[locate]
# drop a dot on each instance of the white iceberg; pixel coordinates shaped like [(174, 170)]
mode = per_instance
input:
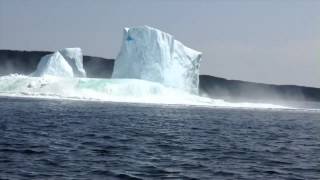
[(66, 62), (74, 57), (53, 65), (150, 54)]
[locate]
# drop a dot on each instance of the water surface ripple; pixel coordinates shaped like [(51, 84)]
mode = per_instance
[(43, 139)]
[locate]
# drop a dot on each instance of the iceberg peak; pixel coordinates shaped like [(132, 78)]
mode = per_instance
[(53, 65), (74, 57), (66, 62), (150, 54)]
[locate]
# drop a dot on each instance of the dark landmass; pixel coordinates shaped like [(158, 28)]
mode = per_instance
[(25, 62), (234, 90)]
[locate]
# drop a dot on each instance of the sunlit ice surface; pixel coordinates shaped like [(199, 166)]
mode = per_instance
[(114, 90)]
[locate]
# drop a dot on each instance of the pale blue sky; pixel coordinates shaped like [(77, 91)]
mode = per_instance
[(267, 41)]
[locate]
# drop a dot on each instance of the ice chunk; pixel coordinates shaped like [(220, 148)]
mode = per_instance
[(53, 65), (75, 60), (150, 54), (66, 62)]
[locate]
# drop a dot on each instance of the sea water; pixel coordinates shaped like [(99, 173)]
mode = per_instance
[(66, 139)]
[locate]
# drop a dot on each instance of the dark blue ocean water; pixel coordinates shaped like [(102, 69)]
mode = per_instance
[(51, 139)]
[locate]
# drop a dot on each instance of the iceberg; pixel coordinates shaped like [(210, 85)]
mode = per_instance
[(152, 67), (53, 65), (150, 54), (67, 62), (74, 57)]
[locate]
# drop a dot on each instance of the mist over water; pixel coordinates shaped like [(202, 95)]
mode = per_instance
[(115, 90)]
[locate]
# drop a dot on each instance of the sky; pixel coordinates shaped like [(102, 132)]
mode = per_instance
[(268, 41)]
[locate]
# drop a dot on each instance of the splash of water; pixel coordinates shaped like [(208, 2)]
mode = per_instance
[(114, 90)]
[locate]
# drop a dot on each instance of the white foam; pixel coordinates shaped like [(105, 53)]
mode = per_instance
[(114, 90)]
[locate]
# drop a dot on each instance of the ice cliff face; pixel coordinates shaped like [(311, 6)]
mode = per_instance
[(66, 62), (150, 54), (53, 65), (75, 60)]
